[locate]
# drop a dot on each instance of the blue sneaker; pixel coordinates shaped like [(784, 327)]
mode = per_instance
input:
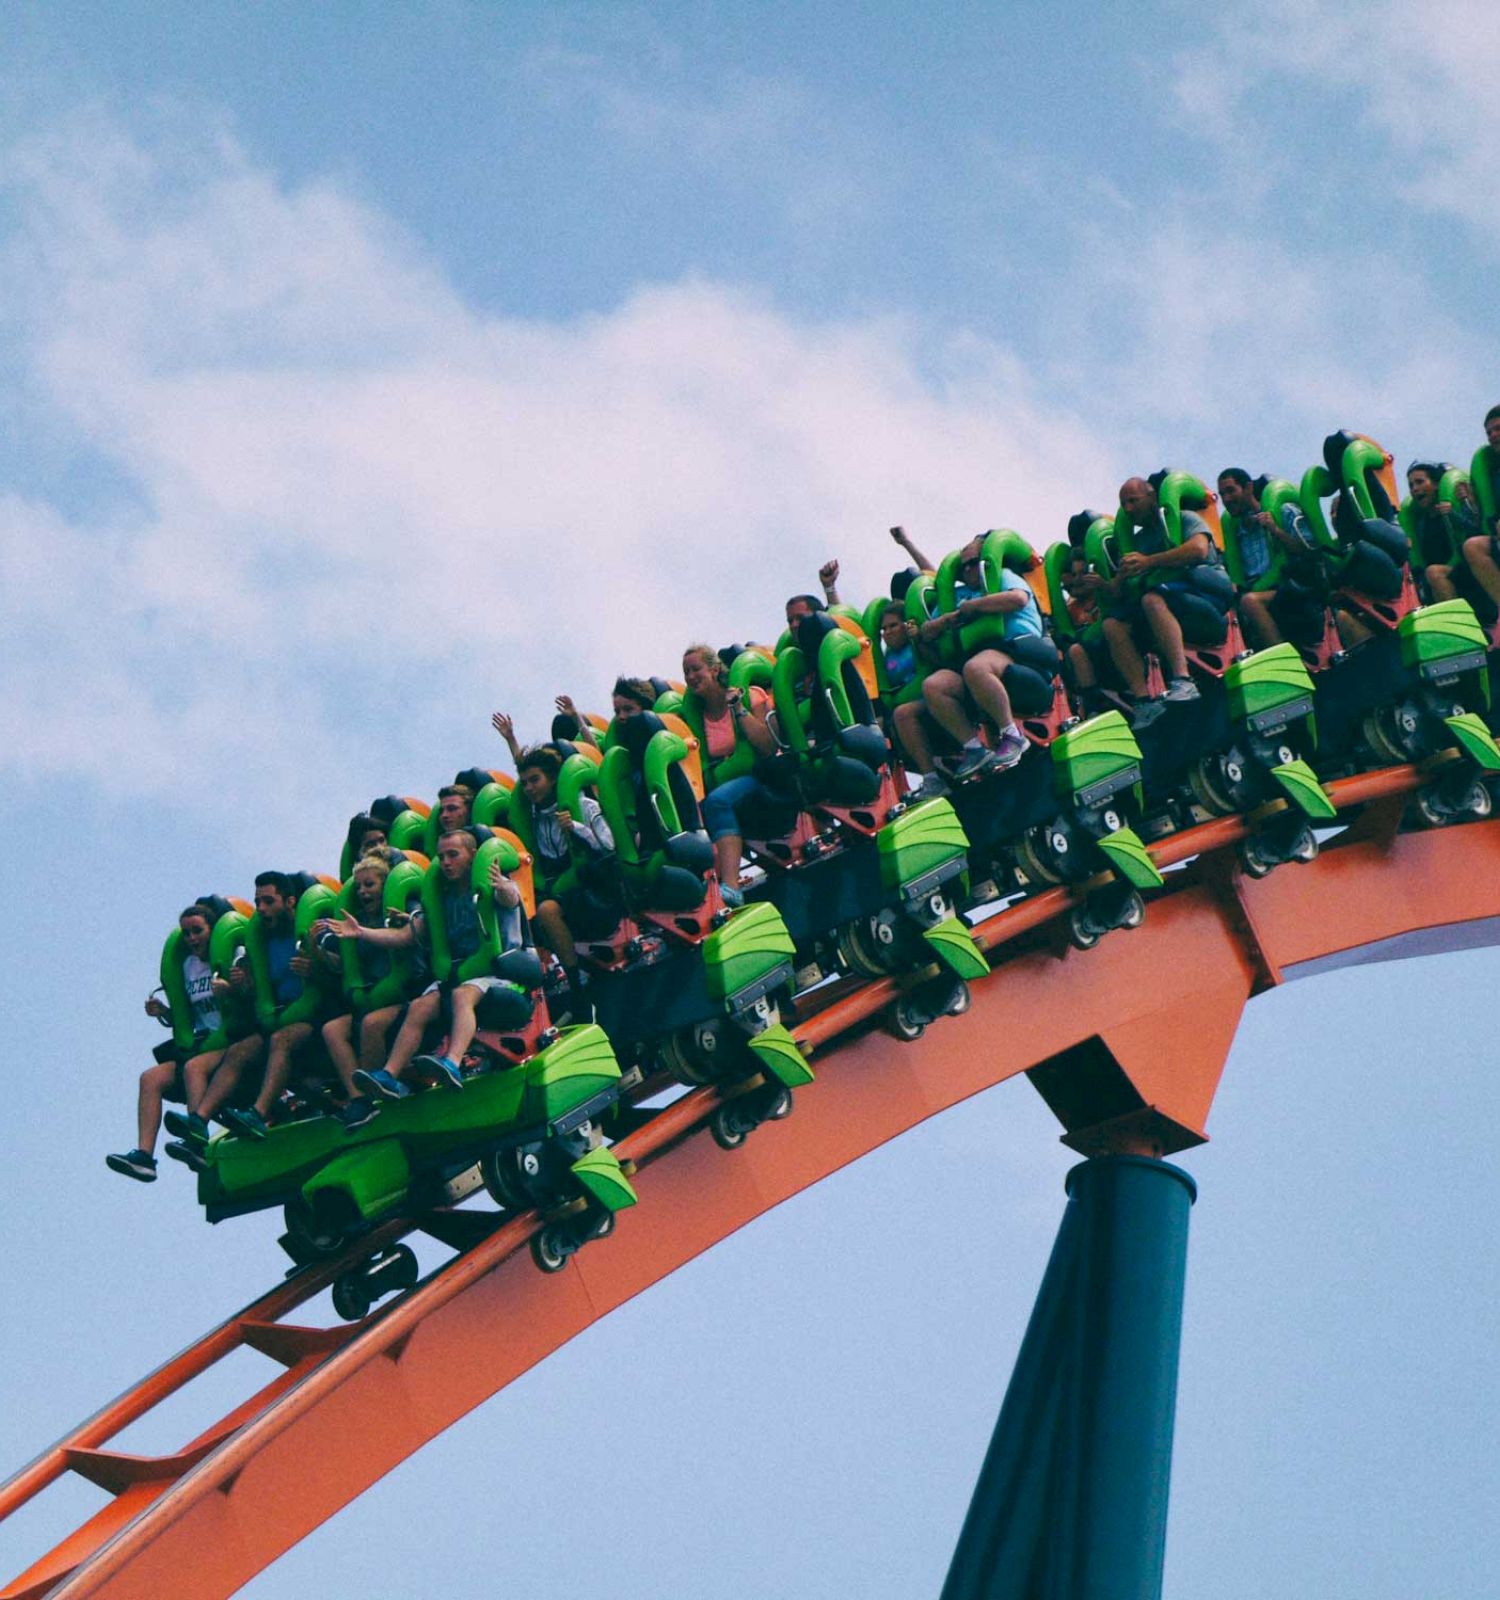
[(356, 1113), (381, 1083), (133, 1164), (444, 1068), (247, 1120), (184, 1125), (190, 1155), (733, 898)]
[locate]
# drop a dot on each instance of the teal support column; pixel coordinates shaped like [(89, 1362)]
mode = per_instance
[(1071, 1503)]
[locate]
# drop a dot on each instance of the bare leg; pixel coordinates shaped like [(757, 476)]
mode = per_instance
[(195, 1077), (155, 1081), (1081, 665), (465, 1023), (1123, 653), (983, 674), (1477, 552), (226, 1077), (1256, 619), (727, 854), (374, 1031), (284, 1044), (338, 1041), (419, 1015), (944, 693), (1167, 632), (912, 736), (1351, 630), (553, 932), (1440, 582)]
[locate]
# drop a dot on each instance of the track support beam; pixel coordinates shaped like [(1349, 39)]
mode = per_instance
[(1071, 1503)]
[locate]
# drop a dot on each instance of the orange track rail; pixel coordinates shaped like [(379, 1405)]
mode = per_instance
[(353, 1402)]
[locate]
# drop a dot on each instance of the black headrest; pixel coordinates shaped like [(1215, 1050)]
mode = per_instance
[(474, 777), (1078, 526), (1258, 485), (660, 685), (564, 728), (1157, 478), (480, 832), (1334, 447), (633, 734), (563, 745), (215, 903), (301, 882), (730, 653), (387, 808), (810, 631), (902, 581)]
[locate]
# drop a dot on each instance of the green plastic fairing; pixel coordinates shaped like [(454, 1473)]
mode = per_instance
[(1445, 631), (1266, 681), (1092, 752), (746, 950), (579, 1064), (777, 1052), (954, 942), (603, 1179), (918, 841), (1300, 784), (374, 1177), (1475, 740), (1129, 857)]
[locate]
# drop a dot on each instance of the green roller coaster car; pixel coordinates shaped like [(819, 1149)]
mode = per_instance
[(921, 850), (1097, 777), (333, 1183), (746, 963)]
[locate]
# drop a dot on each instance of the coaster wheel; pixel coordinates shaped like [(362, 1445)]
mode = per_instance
[(904, 1021), (551, 1246), (509, 1175), (1082, 934), (1206, 778), (350, 1300), (315, 1233), (728, 1130)]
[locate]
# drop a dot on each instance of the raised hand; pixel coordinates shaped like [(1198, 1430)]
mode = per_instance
[(503, 726)]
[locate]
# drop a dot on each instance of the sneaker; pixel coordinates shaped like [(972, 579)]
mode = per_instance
[(133, 1164), (188, 1154), (932, 787), (1145, 712), (444, 1068), (185, 1125), (247, 1120), (732, 897), (1180, 689), (975, 760), (1010, 747), (356, 1113), (381, 1083)]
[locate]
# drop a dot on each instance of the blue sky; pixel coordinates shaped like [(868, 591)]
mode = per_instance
[(366, 371)]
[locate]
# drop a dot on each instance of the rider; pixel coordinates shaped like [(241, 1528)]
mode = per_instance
[(1165, 569), (731, 723), (460, 912), (353, 1042), (165, 1080), (289, 968), (948, 694), (1439, 527), (563, 840)]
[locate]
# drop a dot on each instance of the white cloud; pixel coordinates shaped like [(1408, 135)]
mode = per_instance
[(1418, 74), (333, 481)]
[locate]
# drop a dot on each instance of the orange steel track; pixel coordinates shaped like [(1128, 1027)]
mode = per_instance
[(1125, 1065)]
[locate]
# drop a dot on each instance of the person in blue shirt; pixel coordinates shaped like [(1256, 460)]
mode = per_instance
[(948, 694), (464, 935), (288, 969)]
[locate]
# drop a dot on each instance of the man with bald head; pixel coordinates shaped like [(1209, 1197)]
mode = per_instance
[(1150, 587)]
